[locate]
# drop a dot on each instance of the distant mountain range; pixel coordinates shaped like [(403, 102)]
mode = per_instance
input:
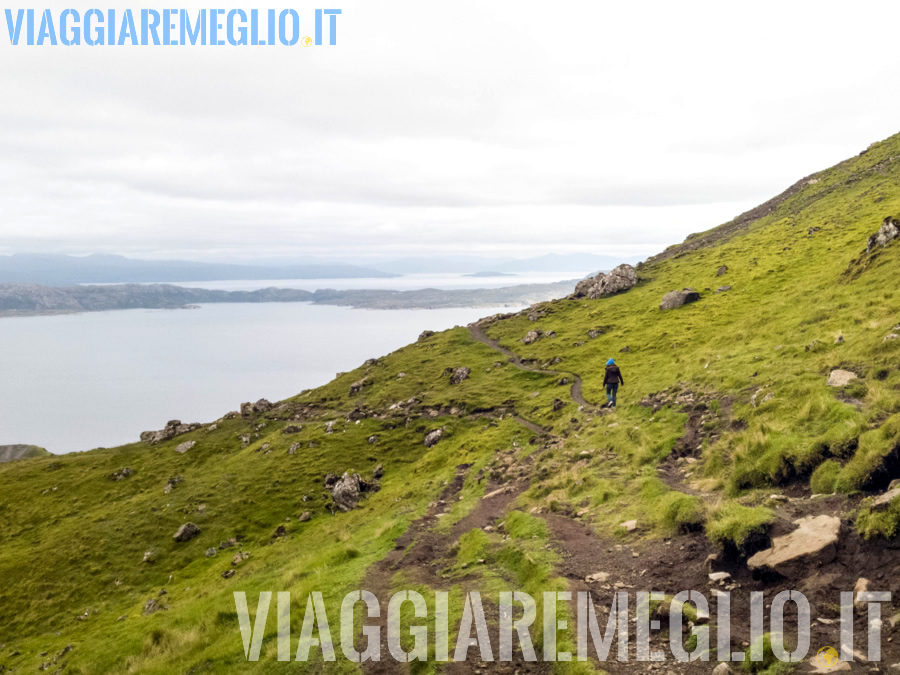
[(65, 270)]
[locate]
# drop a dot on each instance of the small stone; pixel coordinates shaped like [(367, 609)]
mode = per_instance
[(186, 532), (305, 517), (629, 525)]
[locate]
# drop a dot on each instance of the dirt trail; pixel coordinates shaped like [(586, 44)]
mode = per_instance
[(478, 334), (423, 553)]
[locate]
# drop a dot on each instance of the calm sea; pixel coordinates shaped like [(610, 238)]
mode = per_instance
[(79, 381)]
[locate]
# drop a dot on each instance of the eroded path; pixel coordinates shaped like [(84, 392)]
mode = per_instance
[(575, 391)]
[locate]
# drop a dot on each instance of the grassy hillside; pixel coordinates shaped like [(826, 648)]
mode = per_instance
[(724, 430)]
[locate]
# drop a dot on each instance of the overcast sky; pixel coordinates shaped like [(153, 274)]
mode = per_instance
[(496, 127)]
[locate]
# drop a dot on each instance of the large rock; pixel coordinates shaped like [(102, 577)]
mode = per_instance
[(433, 437), (346, 492), (813, 543), (186, 532), (674, 299), (841, 378), (618, 280), (889, 230)]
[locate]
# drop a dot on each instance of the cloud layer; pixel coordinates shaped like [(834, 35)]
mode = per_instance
[(443, 127)]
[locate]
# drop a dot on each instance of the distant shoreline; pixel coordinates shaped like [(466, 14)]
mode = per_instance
[(28, 300)]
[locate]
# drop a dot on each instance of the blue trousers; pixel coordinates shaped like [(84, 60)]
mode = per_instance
[(611, 390)]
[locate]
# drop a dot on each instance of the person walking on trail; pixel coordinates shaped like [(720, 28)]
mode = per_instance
[(612, 380)]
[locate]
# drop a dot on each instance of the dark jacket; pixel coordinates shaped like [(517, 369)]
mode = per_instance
[(613, 375)]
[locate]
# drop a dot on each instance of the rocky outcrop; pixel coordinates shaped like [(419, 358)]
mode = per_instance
[(840, 378), (618, 280), (172, 429), (261, 406), (10, 453), (186, 532), (674, 299), (813, 543), (425, 334), (889, 230)]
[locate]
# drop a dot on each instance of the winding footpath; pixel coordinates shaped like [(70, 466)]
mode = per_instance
[(478, 334)]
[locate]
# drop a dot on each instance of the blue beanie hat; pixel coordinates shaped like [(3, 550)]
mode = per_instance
[(610, 362)]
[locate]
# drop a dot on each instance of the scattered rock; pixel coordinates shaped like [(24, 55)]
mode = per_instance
[(227, 574), (625, 350), (840, 378), (597, 332), (890, 336), (346, 492), (425, 334), (280, 531), (531, 336), (330, 480), (597, 578), (889, 230), (292, 429), (433, 437), (357, 386), (212, 552), (186, 532), (172, 484), (122, 474), (184, 447), (372, 440), (839, 340), (882, 501), (305, 517), (629, 525), (723, 289), (722, 271), (861, 586), (153, 605), (293, 449), (814, 542), (719, 577), (620, 279), (722, 669), (459, 374), (329, 427), (674, 299), (150, 557), (378, 472), (558, 404)]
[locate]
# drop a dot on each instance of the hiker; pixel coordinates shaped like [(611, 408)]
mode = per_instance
[(612, 379)]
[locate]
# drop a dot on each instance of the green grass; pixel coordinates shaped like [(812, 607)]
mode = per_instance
[(737, 528), (74, 540)]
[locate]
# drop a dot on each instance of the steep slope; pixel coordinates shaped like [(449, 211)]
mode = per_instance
[(725, 427)]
